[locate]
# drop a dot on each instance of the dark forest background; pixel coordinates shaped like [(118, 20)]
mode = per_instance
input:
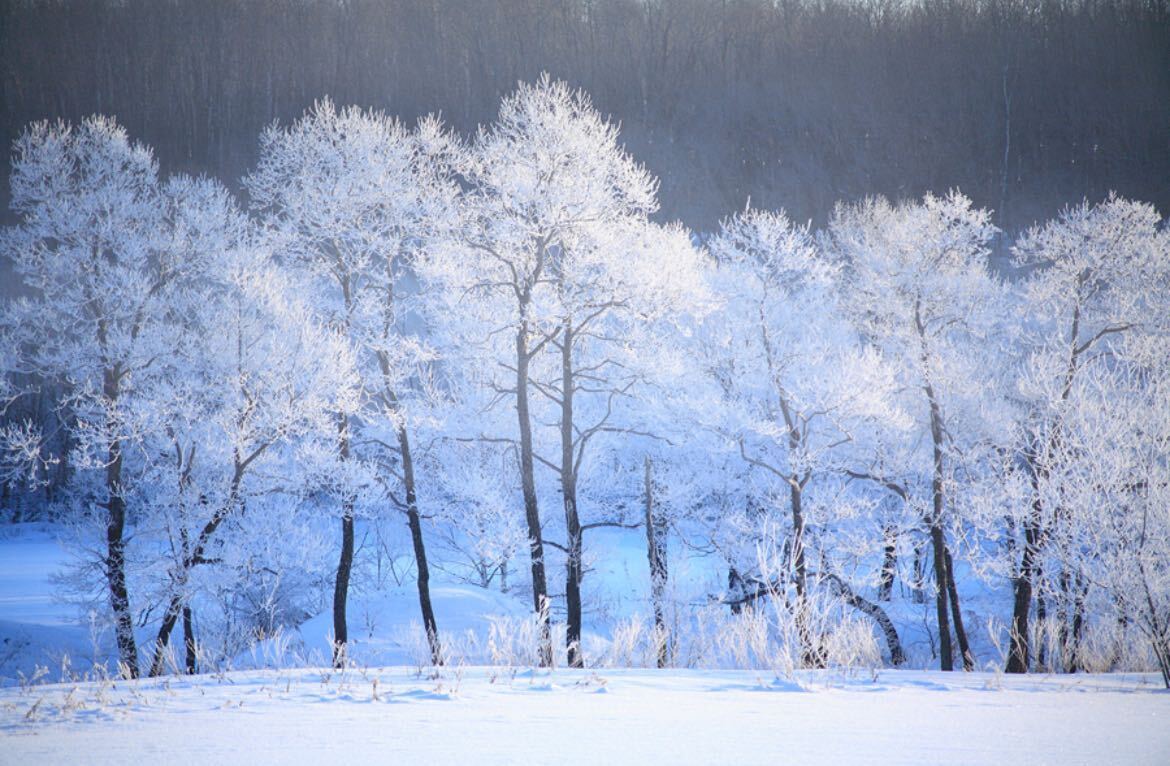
[(1024, 105)]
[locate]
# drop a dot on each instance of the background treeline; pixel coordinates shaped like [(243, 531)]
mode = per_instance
[(795, 103)]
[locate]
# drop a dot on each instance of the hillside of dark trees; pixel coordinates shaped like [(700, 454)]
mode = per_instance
[(1024, 105)]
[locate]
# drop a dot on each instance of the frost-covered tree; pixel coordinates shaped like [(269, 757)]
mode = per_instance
[(1099, 277), (917, 287), (801, 385), (351, 198), (255, 376), (551, 191), (618, 293), (105, 288)]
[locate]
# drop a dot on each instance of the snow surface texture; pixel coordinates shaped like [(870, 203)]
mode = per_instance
[(485, 715)]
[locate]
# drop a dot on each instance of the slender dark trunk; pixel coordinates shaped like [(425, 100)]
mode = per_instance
[(735, 590), (919, 585), (1064, 617), (1078, 626), (345, 562), (540, 600), (935, 522), (938, 539), (812, 653), (116, 545), (170, 617), (194, 558), (800, 573), (946, 655), (341, 588), (412, 515), (189, 640), (573, 563), (795, 495), (1042, 619), (956, 612), (656, 553), (810, 656), (420, 551), (1029, 574), (889, 564), (175, 608), (1019, 636)]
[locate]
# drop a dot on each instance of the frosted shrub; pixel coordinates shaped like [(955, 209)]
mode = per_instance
[(413, 641), (851, 645), (633, 643), (517, 642), (696, 646)]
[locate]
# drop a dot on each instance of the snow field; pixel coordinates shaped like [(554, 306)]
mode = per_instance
[(505, 715)]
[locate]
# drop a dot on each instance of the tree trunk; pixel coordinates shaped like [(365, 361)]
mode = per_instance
[(573, 563), (889, 564), (194, 558), (1029, 575), (956, 612), (946, 655), (412, 514), (345, 562), (919, 585), (116, 545), (170, 617), (938, 539), (810, 654), (935, 522), (735, 590), (189, 640), (893, 643), (420, 551), (656, 553), (1019, 636), (540, 601), (1042, 619), (1078, 626)]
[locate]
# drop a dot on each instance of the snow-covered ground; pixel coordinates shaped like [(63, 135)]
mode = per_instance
[(485, 715)]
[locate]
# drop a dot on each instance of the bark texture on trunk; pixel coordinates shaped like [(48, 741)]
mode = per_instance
[(189, 641), (889, 564), (945, 652), (960, 631), (170, 617), (420, 551), (938, 540), (1030, 568), (1019, 647), (115, 542), (893, 642), (573, 563), (345, 561), (735, 590), (414, 520), (938, 503), (540, 600), (656, 553), (341, 590)]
